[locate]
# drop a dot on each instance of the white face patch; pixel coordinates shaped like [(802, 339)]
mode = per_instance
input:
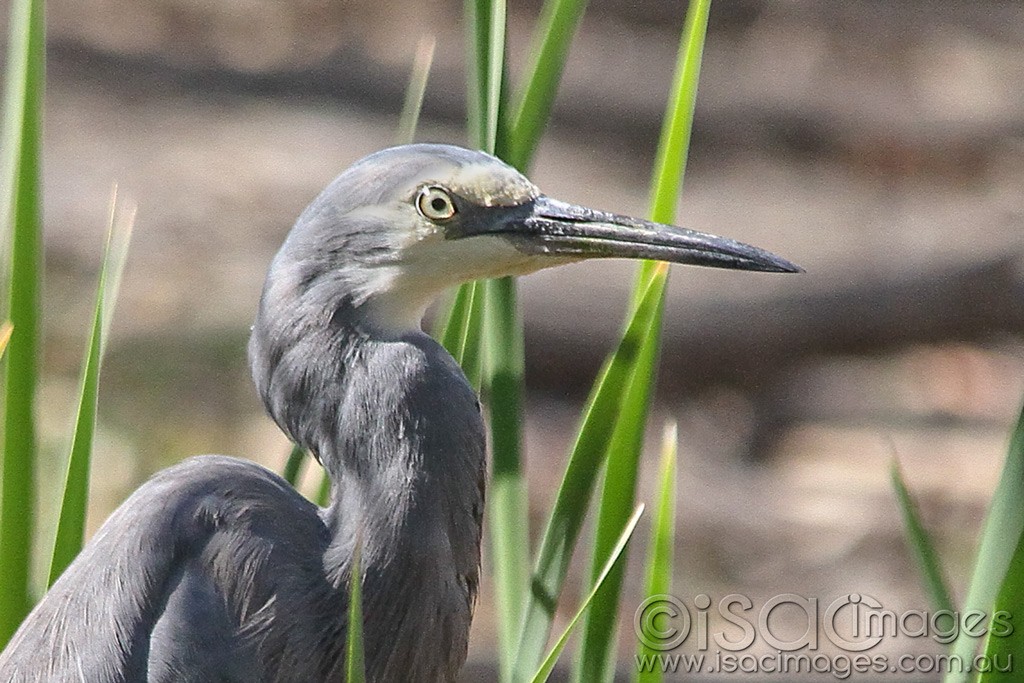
[(448, 262)]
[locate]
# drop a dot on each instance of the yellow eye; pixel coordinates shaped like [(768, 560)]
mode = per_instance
[(435, 203)]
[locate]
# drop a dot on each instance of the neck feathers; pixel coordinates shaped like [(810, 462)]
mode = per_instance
[(391, 417)]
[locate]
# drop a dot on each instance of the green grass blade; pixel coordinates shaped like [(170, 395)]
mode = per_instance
[(21, 206), (1005, 641), (574, 493), (507, 511), (462, 333), (476, 14), (355, 667), (494, 321), (22, 110), (676, 127), (595, 661), (75, 499), (485, 20), (921, 543), (293, 465), (507, 501), (496, 73), (618, 493), (415, 91), (555, 30), (452, 330), (472, 359), (123, 224), (548, 664), (660, 559), (1000, 536), (323, 491)]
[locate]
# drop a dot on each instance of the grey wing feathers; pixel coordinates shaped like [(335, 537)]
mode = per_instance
[(191, 546)]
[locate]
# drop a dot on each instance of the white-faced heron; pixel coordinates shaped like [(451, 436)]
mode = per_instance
[(217, 569)]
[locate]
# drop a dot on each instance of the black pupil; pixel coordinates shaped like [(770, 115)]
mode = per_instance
[(439, 204)]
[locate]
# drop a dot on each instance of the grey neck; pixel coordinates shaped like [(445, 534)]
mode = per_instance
[(393, 421)]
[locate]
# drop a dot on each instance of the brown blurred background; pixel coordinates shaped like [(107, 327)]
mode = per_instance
[(878, 144)]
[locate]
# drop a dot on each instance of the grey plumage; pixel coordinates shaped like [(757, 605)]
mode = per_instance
[(216, 569)]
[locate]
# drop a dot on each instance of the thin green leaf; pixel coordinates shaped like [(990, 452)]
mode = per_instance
[(496, 73), (472, 359), (75, 499), (20, 203), (123, 224), (323, 492), (1004, 641), (661, 555), (462, 332), (507, 511), (355, 667), (415, 91), (494, 312), (677, 125), (571, 503), (485, 20), (921, 543), (293, 465), (452, 330), (613, 561), (507, 500), (618, 493), (595, 661), (1000, 536), (553, 36), (476, 14)]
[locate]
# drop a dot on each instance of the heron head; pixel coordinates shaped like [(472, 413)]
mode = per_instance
[(401, 225)]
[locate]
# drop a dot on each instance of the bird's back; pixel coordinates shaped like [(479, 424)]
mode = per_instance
[(182, 584)]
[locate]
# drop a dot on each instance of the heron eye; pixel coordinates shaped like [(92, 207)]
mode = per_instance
[(435, 203)]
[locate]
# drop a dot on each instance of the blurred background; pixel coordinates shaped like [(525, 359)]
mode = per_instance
[(878, 144)]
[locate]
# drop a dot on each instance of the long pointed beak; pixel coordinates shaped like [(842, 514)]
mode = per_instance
[(560, 229)]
